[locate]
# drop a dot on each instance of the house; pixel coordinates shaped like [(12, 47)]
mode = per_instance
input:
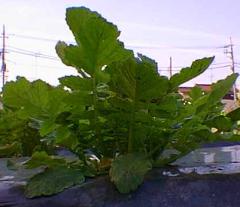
[(228, 99)]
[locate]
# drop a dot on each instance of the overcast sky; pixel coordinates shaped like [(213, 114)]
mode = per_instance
[(185, 30)]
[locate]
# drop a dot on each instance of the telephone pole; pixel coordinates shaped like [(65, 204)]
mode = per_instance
[(3, 70), (170, 67), (230, 46)]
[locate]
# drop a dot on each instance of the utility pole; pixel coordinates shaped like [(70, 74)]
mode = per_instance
[(170, 67), (3, 57), (230, 46)]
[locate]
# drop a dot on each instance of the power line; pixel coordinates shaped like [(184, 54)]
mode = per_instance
[(181, 67), (223, 63), (31, 52), (42, 55), (39, 55), (175, 47), (210, 68), (131, 46), (38, 38), (42, 66), (162, 68), (220, 67), (33, 37)]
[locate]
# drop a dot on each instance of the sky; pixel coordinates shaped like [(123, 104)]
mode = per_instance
[(184, 30)]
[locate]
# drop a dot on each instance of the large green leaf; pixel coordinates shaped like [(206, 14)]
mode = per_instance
[(195, 93), (149, 84), (36, 99), (186, 74), (127, 171), (64, 137), (234, 115), (76, 83), (52, 181), (43, 159), (97, 42), (138, 79), (221, 88)]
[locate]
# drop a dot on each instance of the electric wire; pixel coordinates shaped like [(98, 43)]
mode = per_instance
[(38, 55), (32, 37), (30, 52), (127, 45), (38, 65)]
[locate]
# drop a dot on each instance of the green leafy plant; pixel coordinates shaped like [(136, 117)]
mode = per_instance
[(118, 115), (130, 169)]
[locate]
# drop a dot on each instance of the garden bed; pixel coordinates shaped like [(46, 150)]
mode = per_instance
[(157, 190), (195, 184)]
